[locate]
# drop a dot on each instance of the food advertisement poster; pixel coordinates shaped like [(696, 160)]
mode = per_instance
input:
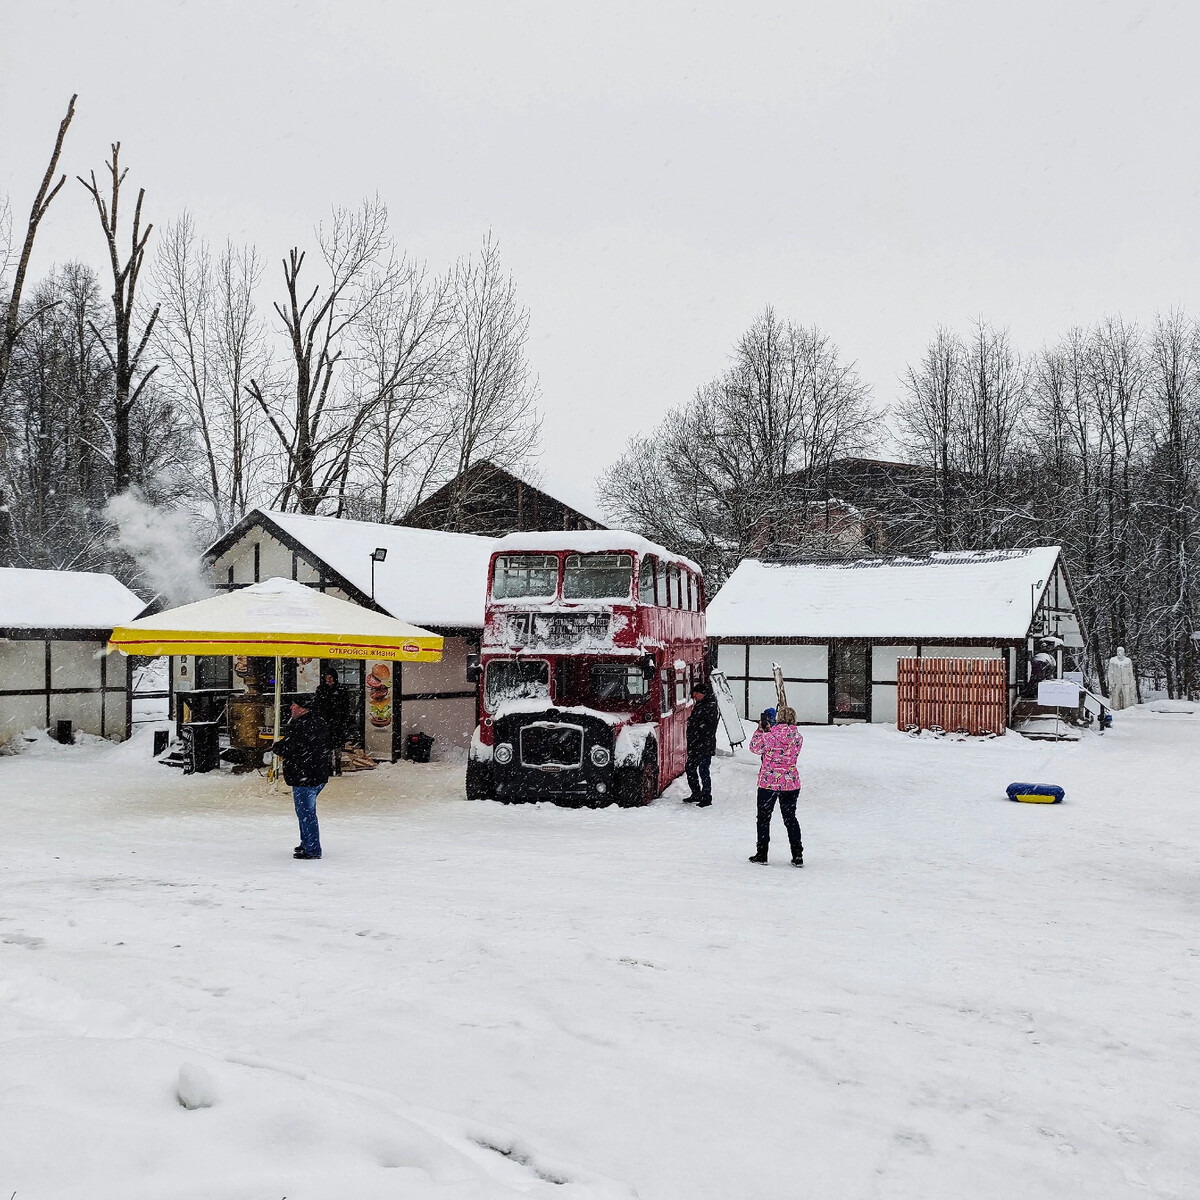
[(379, 709)]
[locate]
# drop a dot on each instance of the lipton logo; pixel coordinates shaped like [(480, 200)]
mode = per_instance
[(411, 648)]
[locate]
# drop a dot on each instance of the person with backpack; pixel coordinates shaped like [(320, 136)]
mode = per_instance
[(701, 744), (778, 779)]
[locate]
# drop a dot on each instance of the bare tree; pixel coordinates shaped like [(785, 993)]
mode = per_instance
[(125, 353), (494, 393), (401, 371), (743, 463), (14, 322), (313, 421), (210, 339)]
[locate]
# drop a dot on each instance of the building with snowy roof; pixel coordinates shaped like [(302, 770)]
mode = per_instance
[(489, 500), (842, 631), (427, 577), (54, 626)]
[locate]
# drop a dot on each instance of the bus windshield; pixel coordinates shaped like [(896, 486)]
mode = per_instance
[(525, 575), (598, 577), (515, 679)]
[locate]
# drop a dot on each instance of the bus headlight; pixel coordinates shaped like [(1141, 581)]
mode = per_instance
[(503, 753), (599, 756)]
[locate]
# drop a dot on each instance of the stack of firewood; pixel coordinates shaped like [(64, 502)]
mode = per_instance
[(355, 758)]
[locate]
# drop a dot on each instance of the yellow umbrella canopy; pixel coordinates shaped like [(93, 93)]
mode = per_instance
[(279, 618)]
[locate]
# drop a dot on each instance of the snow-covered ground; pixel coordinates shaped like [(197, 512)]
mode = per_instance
[(957, 997)]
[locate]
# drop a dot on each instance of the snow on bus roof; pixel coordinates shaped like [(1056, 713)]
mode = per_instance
[(949, 595), (589, 541), (32, 599)]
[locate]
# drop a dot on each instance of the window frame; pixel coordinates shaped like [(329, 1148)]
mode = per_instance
[(488, 704), (648, 561), (583, 555), (551, 595)]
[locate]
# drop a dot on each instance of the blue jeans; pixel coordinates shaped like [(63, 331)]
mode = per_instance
[(305, 799)]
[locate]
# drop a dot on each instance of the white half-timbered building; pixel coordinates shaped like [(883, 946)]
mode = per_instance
[(54, 626), (428, 578), (839, 629)]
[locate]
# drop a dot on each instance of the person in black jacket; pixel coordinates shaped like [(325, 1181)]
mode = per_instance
[(304, 749), (331, 704), (701, 744)]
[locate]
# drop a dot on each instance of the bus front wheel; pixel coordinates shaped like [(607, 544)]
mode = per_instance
[(636, 786), (479, 780)]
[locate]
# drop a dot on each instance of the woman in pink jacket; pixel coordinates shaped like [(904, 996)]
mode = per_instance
[(779, 746)]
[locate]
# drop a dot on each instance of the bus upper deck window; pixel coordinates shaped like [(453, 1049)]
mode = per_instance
[(525, 575), (646, 580), (598, 577)]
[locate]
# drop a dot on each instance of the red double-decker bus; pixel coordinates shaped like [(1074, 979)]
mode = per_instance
[(591, 646)]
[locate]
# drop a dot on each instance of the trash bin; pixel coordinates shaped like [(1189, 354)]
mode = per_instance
[(417, 747), (200, 746), (63, 733)]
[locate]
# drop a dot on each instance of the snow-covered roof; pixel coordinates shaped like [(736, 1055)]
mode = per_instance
[(429, 577), (953, 595), (588, 541), (32, 599)]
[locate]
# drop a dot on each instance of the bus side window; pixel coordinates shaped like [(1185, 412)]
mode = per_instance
[(660, 589), (673, 585), (666, 689), (646, 580), (688, 602), (681, 692)]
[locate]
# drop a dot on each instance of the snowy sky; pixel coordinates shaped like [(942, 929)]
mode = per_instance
[(655, 173)]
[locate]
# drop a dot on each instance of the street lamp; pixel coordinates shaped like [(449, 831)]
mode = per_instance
[(377, 555)]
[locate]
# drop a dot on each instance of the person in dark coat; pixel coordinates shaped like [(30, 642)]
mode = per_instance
[(332, 705), (701, 744), (304, 748)]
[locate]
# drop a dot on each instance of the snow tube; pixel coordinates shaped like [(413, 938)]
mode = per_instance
[(1036, 793)]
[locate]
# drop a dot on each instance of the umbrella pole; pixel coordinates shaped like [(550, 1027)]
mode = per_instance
[(278, 698)]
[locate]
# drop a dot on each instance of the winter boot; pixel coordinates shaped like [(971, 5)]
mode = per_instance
[(704, 802), (760, 857), (798, 859)]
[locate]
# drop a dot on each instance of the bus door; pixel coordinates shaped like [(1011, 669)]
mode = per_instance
[(673, 725)]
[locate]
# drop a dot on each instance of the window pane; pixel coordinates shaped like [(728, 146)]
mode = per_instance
[(598, 576), (525, 575), (515, 679), (674, 580), (667, 689), (662, 599), (646, 580), (618, 683)]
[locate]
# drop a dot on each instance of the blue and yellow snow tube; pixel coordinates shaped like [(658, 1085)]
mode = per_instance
[(1036, 793)]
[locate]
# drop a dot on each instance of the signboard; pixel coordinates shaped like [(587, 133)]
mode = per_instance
[(378, 725), (1058, 693), (734, 728)]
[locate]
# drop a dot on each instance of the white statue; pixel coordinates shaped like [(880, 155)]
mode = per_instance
[(1122, 691)]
